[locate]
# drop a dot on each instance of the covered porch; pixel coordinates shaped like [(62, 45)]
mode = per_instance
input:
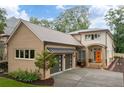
[(96, 56), (92, 56)]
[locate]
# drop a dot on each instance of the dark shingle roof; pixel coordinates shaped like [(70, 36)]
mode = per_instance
[(88, 30), (48, 35), (11, 23)]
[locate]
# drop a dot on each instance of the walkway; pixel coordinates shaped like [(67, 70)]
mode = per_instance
[(85, 77)]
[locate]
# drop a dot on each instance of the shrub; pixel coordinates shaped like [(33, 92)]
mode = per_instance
[(24, 76)]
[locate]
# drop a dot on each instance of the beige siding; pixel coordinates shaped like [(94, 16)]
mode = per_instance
[(77, 37), (3, 39), (101, 40), (23, 39), (104, 40), (110, 50), (59, 46)]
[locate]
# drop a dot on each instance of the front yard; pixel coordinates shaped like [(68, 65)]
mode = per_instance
[(5, 82)]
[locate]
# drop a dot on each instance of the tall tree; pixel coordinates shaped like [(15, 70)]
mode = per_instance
[(115, 19), (34, 20), (2, 19), (73, 19), (42, 22)]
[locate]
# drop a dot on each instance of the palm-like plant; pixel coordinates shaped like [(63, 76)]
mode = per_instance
[(45, 60)]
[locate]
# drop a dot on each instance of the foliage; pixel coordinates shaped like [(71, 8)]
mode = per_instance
[(45, 59), (43, 22), (5, 82), (24, 76), (34, 20), (72, 19), (2, 46), (115, 19), (2, 19)]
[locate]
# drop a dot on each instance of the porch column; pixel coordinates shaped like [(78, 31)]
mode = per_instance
[(74, 60), (87, 57), (103, 57), (63, 62), (5, 52)]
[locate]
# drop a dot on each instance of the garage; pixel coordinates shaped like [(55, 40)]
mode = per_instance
[(58, 66), (68, 61), (64, 59)]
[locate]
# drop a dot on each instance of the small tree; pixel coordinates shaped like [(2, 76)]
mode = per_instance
[(2, 20), (45, 60)]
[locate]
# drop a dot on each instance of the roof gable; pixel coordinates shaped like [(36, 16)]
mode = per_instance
[(48, 35), (11, 24)]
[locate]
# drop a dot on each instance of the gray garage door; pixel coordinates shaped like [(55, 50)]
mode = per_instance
[(58, 66), (68, 61)]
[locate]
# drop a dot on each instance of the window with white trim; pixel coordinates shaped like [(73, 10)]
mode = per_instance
[(25, 53), (92, 36)]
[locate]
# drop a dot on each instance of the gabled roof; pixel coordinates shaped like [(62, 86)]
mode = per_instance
[(48, 35), (11, 23), (92, 30), (88, 30)]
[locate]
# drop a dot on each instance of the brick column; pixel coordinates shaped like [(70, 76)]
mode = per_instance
[(103, 57), (63, 62), (74, 60), (87, 57)]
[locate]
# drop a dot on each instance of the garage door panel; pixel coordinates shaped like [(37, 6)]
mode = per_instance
[(68, 61), (58, 66)]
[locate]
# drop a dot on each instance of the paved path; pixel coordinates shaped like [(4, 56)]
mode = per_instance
[(85, 77), (119, 66)]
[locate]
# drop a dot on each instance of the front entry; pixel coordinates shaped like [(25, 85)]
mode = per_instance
[(58, 66), (95, 54), (68, 61)]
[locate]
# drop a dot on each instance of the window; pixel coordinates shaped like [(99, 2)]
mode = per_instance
[(95, 35), (17, 53), (81, 55), (92, 36), (25, 54), (21, 53), (31, 53)]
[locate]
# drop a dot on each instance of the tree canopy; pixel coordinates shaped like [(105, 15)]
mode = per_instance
[(2, 19), (115, 19), (72, 19)]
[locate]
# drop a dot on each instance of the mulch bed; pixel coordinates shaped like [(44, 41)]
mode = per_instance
[(47, 82)]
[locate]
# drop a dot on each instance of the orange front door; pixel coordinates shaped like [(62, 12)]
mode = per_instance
[(98, 56)]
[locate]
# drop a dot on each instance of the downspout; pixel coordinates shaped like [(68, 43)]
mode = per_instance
[(106, 48)]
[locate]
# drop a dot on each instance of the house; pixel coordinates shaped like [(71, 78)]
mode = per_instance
[(27, 40), (11, 23), (99, 47), (92, 47)]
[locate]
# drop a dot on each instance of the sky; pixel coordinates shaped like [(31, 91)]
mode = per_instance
[(50, 12)]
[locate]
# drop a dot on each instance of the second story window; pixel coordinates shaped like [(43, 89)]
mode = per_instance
[(92, 36)]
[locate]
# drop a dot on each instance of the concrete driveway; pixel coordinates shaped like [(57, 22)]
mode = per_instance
[(85, 77)]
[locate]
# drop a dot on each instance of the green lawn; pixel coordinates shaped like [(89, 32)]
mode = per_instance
[(5, 82)]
